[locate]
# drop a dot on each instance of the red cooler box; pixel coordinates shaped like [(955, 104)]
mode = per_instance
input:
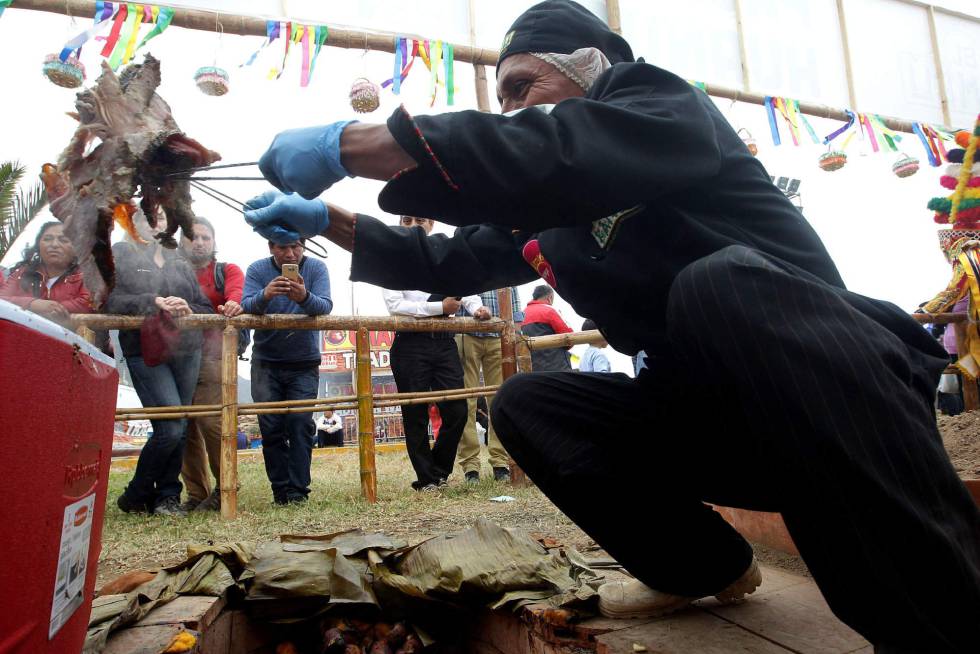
[(57, 401)]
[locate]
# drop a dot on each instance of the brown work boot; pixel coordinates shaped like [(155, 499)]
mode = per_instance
[(634, 599)]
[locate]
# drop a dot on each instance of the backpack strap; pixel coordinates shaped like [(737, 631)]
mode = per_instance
[(219, 277)]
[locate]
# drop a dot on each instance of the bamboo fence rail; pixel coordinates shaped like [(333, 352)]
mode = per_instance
[(514, 349)]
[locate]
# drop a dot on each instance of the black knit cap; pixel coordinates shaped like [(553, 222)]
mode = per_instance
[(562, 27)]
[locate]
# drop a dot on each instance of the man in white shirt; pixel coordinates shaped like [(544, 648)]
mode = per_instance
[(429, 361), (594, 360), (330, 430)]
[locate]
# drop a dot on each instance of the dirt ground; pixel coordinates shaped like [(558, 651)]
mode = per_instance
[(961, 436)]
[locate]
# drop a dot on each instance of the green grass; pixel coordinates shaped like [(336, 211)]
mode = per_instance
[(131, 541)]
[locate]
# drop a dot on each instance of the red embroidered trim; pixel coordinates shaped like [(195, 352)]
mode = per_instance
[(428, 149)]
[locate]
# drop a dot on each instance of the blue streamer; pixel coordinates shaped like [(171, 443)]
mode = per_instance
[(925, 143), (771, 113), (396, 79)]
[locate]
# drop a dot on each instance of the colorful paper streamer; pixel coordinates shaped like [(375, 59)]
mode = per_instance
[(768, 102), (4, 4)]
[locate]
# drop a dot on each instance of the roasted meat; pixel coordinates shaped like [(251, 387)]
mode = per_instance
[(127, 143)]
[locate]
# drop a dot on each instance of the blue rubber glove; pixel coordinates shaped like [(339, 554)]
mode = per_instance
[(305, 160), (284, 219)]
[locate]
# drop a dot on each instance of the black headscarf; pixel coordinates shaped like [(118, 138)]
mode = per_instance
[(562, 27)]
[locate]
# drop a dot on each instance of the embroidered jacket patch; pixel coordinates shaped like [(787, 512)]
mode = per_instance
[(604, 230)]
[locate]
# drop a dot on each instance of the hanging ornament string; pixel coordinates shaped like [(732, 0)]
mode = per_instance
[(771, 114), (447, 56)]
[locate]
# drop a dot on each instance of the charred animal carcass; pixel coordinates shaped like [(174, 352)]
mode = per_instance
[(127, 143)]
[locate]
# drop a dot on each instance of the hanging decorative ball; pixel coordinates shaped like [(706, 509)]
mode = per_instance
[(906, 166), (833, 160), (69, 74), (211, 80), (364, 95)]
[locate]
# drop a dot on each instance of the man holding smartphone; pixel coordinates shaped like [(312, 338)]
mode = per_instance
[(286, 362)]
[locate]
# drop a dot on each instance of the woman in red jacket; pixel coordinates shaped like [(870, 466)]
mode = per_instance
[(48, 281)]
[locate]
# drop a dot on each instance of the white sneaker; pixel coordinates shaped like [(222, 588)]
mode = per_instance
[(634, 599)]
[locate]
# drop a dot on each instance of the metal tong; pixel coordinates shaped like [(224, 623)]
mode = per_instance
[(197, 181)]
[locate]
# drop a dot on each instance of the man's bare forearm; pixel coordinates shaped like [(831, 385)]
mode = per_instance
[(341, 229), (369, 150)]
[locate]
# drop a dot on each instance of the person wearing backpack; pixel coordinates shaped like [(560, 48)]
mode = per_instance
[(222, 284)]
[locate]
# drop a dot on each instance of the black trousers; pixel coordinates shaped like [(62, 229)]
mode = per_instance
[(420, 362), (781, 393)]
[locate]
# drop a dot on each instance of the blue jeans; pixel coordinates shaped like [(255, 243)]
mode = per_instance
[(287, 439), (157, 475)]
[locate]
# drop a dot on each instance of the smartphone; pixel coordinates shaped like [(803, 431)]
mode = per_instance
[(290, 271)]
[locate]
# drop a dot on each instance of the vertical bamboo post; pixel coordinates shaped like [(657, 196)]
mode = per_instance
[(523, 356), (940, 76), (365, 419), (742, 55), (508, 363), (971, 396), (845, 42), (87, 334), (613, 17), (229, 423), (479, 70)]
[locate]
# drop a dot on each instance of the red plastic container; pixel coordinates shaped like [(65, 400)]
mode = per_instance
[(57, 401)]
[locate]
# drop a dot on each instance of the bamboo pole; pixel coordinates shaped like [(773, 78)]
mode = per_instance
[(479, 70), (742, 53), (613, 18), (937, 59), (315, 405), (508, 366), (591, 336), (365, 419), (295, 321), (848, 68), (208, 21), (86, 334), (939, 318), (385, 42), (523, 355), (229, 424), (971, 395)]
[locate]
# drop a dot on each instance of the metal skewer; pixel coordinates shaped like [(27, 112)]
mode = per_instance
[(181, 176), (219, 166)]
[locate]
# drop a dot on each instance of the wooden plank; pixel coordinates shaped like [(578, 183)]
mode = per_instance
[(686, 633), (797, 617), (193, 611)]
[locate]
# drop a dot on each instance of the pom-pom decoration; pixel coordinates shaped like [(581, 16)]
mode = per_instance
[(211, 80), (833, 160), (364, 96), (69, 73), (906, 166), (963, 139)]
